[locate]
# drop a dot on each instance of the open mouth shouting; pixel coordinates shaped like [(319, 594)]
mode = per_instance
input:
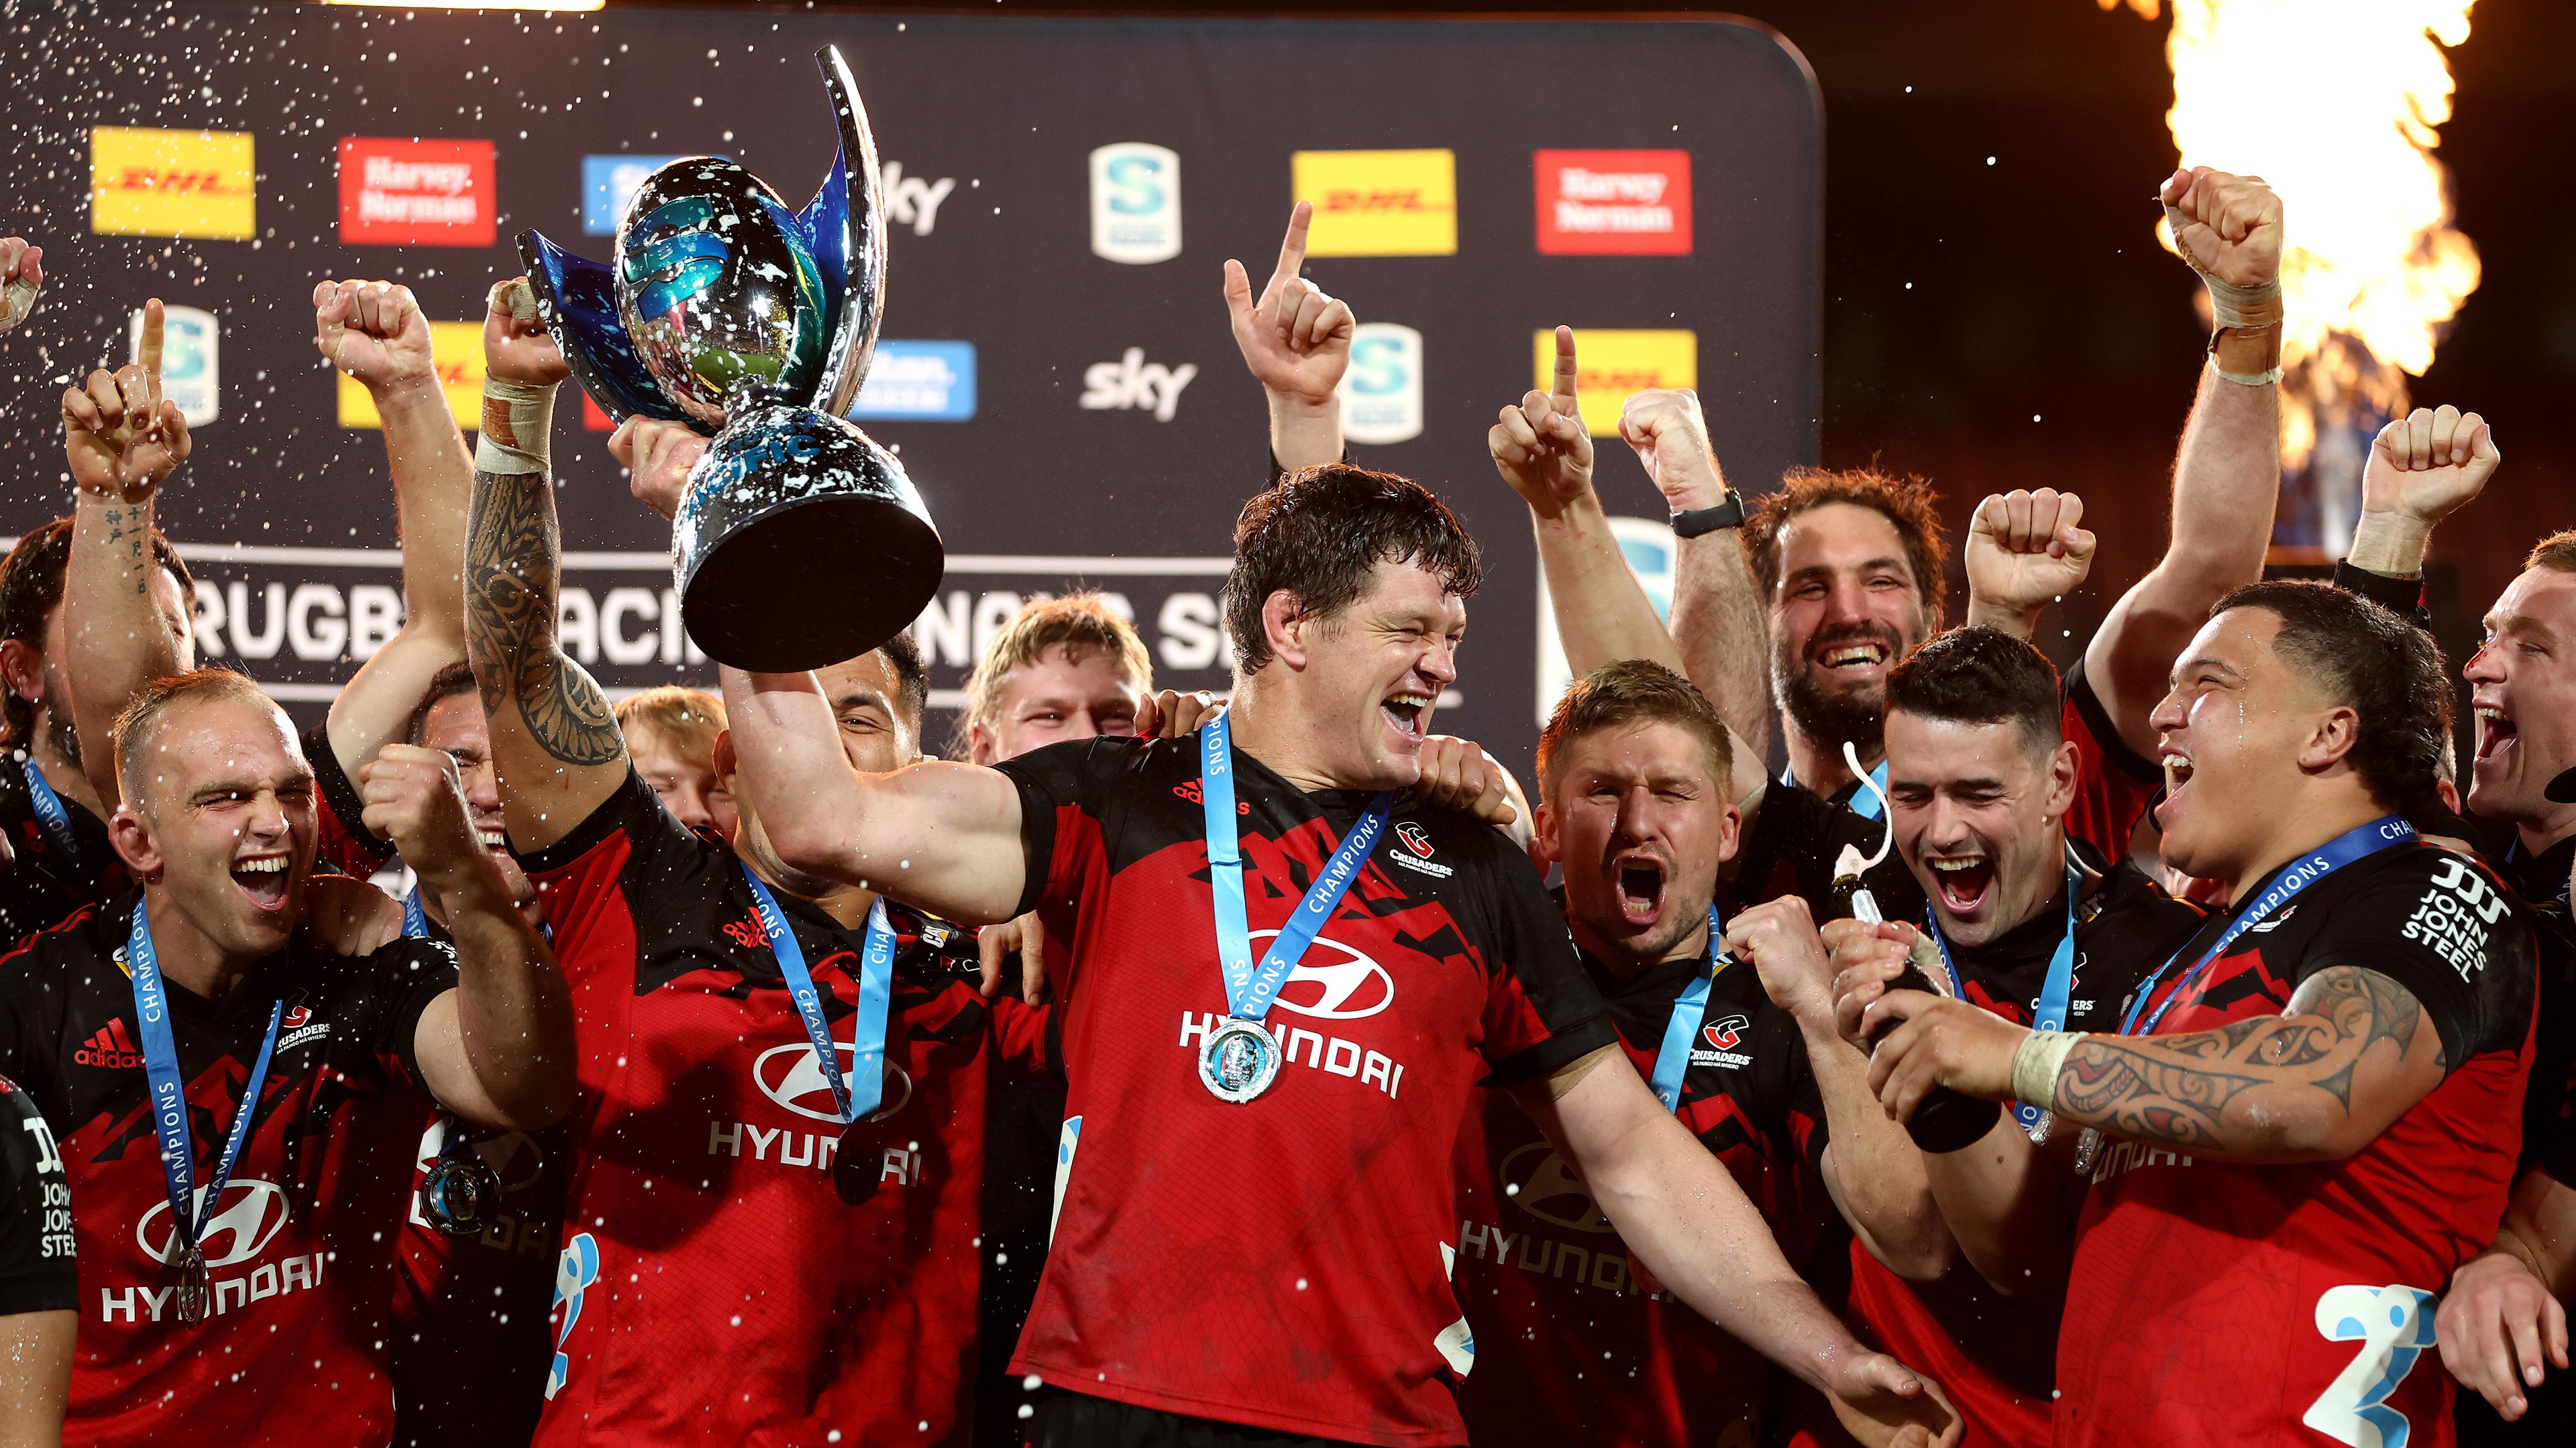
[(492, 837), (1853, 656), (2496, 733), (263, 878), (1406, 712), (1641, 880), (2177, 767), (1963, 880)]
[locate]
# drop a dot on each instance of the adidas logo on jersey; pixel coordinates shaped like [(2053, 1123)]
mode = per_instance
[(109, 1046)]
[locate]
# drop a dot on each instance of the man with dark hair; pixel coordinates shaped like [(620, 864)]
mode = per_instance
[(2308, 1117), (1243, 1251), (2033, 921), (777, 1145), (235, 1281), (1571, 1346)]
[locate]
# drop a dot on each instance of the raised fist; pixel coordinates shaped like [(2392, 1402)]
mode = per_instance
[(2428, 464), (22, 270), (120, 435), (516, 347), (1541, 447), (2024, 553), (374, 331), (1670, 436), (2228, 227), (414, 798), (657, 457), (1296, 340)]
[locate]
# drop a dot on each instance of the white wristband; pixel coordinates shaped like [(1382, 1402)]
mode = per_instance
[(2035, 1066), (516, 419)]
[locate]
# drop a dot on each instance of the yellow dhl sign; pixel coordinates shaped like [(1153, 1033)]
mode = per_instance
[(1611, 365), (145, 182), (1379, 203), (458, 350)]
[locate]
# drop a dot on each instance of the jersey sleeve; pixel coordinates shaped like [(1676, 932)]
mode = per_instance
[(416, 972), (342, 835), (2113, 784), (2439, 925), (1541, 1011), (35, 1212), (577, 877), (1066, 802)]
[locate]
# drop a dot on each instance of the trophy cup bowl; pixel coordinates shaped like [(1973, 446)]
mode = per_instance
[(799, 541)]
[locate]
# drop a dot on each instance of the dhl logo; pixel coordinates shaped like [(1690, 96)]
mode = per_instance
[(147, 182), (1379, 203), (1611, 364), (456, 350)]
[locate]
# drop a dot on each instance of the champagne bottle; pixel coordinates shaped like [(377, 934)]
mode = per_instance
[(1945, 1120)]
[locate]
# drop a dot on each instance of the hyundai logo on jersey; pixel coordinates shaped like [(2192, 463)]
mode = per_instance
[(252, 1212)]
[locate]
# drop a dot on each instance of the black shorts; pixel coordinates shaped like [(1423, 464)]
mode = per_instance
[(1074, 1420)]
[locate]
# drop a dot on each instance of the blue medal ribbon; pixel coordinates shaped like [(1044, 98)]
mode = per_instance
[(2359, 843), (169, 1096), (415, 919), (1863, 802), (1672, 1059), (858, 1093), (2054, 992), (1249, 992), (55, 820)]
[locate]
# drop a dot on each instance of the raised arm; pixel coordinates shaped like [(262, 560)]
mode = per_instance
[(942, 837), (1718, 616), (1542, 449), (375, 333), (2317, 1082), (2227, 473), (2423, 467), (2025, 552), (1690, 1224), (122, 439), (498, 1049), (1297, 343), (554, 742)]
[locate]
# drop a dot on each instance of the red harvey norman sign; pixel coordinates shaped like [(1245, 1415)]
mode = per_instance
[(416, 193), (1614, 203)]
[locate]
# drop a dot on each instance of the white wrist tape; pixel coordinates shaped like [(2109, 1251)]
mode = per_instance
[(2036, 1063), (517, 417)]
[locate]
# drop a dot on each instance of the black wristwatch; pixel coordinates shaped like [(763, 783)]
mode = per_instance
[(1729, 514)]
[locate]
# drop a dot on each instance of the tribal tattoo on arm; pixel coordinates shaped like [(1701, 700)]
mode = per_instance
[(2303, 1085), (513, 578)]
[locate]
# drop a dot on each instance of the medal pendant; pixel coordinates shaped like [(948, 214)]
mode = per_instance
[(1238, 1060), (2087, 1147), (196, 1289), (872, 1149), (2039, 1129), (459, 1194)]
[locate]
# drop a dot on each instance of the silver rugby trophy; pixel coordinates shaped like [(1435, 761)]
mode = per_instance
[(799, 542)]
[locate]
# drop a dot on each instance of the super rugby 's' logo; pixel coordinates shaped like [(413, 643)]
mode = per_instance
[(1327, 988), (1538, 1181), (250, 1214), (791, 1076), (1726, 1033)]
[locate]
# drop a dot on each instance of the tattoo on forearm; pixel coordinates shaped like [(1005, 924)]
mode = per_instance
[(2176, 1089), (513, 563)]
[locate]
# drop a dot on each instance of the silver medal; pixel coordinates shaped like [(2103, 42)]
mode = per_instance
[(195, 1289), (2087, 1147), (1238, 1060)]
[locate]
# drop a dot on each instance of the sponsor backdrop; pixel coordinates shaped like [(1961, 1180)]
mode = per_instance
[(1057, 370)]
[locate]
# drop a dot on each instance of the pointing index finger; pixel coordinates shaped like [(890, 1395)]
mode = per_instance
[(1292, 247), (151, 358), (1565, 371)]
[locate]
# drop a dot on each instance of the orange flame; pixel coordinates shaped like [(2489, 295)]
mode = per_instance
[(2336, 103)]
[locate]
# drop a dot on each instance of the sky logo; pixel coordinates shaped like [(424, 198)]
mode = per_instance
[(190, 364), (1135, 203), (919, 382), (607, 182), (1382, 391)]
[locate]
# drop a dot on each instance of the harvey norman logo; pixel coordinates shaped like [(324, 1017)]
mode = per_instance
[(1614, 203), (1135, 203), (148, 182), (1379, 203), (415, 193)]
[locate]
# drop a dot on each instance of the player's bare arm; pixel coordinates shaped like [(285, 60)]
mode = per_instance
[(2422, 468), (2227, 471), (2318, 1082), (1683, 1215), (1296, 341), (937, 836), (2503, 1323), (1717, 620), (2026, 550), (498, 1049), (122, 439), (554, 739), (35, 1376), (375, 332)]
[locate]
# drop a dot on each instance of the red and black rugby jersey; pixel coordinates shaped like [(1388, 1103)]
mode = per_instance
[(2114, 785), (340, 826), (36, 1241), (301, 1243), (44, 884), (2216, 1303), (1996, 1356), (712, 1286), (1571, 1346), (1284, 1263), (1793, 843)]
